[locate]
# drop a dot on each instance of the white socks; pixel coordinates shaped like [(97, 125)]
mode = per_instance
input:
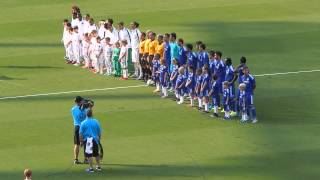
[(125, 73), (191, 101), (215, 109), (206, 107), (164, 92), (200, 102)]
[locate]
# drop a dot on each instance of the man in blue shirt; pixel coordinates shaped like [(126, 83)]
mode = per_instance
[(167, 51), (203, 57), (90, 135), (231, 77), (192, 58), (182, 57), (250, 83), (78, 116)]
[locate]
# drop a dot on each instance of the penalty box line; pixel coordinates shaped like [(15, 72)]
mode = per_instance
[(136, 86)]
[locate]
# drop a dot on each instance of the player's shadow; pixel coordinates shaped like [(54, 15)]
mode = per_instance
[(29, 45), (30, 67), (7, 78)]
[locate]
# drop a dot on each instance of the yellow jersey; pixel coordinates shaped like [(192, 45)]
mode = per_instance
[(160, 49), (146, 46), (152, 47), (141, 47)]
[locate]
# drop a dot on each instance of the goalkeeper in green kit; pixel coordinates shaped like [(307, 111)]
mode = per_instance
[(115, 60)]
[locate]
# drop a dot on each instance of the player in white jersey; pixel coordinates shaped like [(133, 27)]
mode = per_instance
[(86, 24), (108, 56), (98, 56), (68, 44), (66, 26), (76, 46), (101, 30), (93, 40), (92, 26), (123, 58), (135, 42), (85, 50)]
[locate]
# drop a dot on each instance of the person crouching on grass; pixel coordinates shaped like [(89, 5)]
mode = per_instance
[(90, 135), (123, 59)]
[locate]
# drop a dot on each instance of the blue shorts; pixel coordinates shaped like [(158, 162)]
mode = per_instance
[(180, 91), (215, 100), (226, 107), (204, 93), (250, 100)]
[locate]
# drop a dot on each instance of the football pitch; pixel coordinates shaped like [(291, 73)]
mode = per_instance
[(144, 136)]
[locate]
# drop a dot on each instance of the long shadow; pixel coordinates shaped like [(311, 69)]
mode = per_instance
[(30, 67), (29, 45), (7, 78)]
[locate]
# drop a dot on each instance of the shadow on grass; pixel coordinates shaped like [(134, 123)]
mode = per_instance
[(301, 164), (30, 67), (7, 78), (29, 45)]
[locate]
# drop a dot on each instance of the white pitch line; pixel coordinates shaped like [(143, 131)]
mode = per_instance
[(285, 73), (127, 87), (69, 92)]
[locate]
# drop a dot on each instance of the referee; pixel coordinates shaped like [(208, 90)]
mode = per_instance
[(78, 116)]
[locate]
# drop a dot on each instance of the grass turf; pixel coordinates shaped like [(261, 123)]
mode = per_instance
[(146, 137)]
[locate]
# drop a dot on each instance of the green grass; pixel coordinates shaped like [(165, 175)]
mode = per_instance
[(146, 137)]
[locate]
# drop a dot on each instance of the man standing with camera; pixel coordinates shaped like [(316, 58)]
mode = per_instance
[(79, 115), (90, 135)]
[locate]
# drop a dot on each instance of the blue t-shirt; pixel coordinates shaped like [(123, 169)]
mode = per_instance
[(205, 80), (226, 96), (174, 50), (191, 80), (212, 64), (203, 59), (229, 73), (240, 72), (243, 100), (180, 80), (250, 83), (90, 128), (215, 89), (155, 67), (78, 115), (220, 70), (182, 58), (192, 60), (162, 72), (167, 52)]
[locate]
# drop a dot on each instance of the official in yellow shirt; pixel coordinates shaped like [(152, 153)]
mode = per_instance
[(160, 46)]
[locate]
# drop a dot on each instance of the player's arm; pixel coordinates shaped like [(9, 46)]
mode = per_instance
[(235, 77)]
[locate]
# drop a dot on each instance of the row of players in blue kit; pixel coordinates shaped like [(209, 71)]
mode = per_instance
[(207, 78)]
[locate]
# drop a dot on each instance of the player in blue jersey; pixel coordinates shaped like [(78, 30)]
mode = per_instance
[(174, 74), (219, 69), (163, 77), (226, 100), (214, 94), (250, 83), (243, 102), (198, 87), (182, 57), (212, 63), (180, 85), (192, 57), (155, 75), (203, 57), (205, 88), (78, 115), (231, 78), (190, 84), (239, 74), (167, 51)]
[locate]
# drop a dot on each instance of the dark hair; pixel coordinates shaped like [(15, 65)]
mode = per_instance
[(76, 27), (243, 60), (121, 23), (107, 38), (143, 34), (189, 46), (190, 67), (173, 35), (180, 40), (228, 61), (109, 20), (65, 20), (89, 113), (88, 15), (68, 24), (211, 52), (199, 42), (214, 77), (78, 99), (199, 71), (136, 23), (219, 53), (202, 46), (166, 35)]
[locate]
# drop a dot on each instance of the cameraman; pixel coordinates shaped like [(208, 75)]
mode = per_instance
[(78, 115)]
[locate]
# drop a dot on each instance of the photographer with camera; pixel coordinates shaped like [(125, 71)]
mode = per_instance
[(78, 115)]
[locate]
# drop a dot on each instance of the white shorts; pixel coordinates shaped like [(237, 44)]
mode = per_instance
[(124, 64), (135, 55)]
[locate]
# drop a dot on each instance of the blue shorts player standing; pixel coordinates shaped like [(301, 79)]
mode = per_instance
[(250, 83), (190, 84), (204, 91)]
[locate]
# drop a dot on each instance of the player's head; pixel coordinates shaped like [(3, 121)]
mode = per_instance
[(199, 72), (134, 25), (160, 38), (214, 77), (76, 29), (89, 113), (175, 61), (121, 25), (242, 86), (243, 60), (211, 54), (245, 70), (143, 36), (162, 61), (166, 37), (198, 44), (98, 39), (205, 69), (190, 68), (117, 44), (94, 33), (152, 35), (173, 37), (91, 21), (86, 36), (157, 57), (124, 42), (27, 174), (109, 21), (180, 42), (228, 61), (68, 25), (189, 47), (107, 39), (217, 55), (87, 17), (202, 47), (65, 21), (181, 70), (225, 84), (102, 22)]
